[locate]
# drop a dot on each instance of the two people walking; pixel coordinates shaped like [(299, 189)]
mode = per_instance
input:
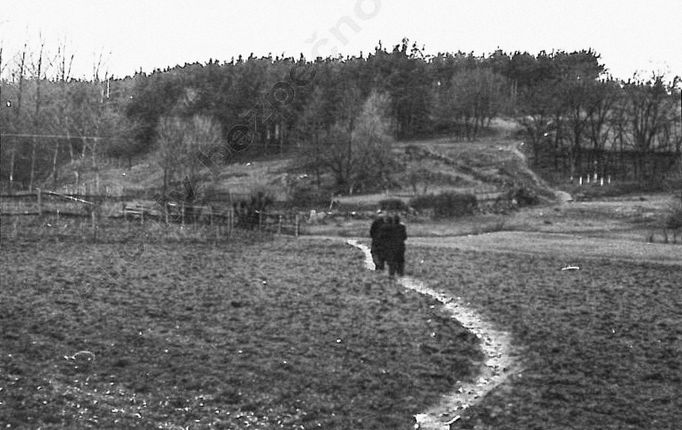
[(388, 244)]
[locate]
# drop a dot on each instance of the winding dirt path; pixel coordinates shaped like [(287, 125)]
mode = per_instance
[(499, 363), (561, 196)]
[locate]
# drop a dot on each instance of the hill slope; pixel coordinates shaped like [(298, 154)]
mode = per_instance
[(490, 167)]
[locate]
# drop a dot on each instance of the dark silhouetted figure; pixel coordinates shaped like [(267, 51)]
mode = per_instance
[(376, 250), (398, 238), (391, 239), (384, 241)]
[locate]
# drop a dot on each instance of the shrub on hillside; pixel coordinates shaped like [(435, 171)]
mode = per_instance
[(447, 204), (306, 196), (673, 219), (248, 211), (392, 205), (524, 197)]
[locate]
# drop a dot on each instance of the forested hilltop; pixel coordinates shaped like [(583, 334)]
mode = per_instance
[(340, 114)]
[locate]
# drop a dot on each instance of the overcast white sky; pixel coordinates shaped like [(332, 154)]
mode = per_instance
[(631, 35)]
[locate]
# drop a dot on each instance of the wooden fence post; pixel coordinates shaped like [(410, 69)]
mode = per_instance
[(230, 219), (182, 214), (123, 210), (279, 224), (217, 224), (39, 196), (142, 214), (296, 228), (93, 216)]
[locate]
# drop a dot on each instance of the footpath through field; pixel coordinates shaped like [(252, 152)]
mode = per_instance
[(499, 363), (571, 246)]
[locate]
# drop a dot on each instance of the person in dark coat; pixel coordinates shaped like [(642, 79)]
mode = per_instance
[(399, 237), (376, 248), (386, 239), (391, 238)]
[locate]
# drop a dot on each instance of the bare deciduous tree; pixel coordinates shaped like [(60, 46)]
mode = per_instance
[(183, 146), (17, 112), (373, 161), (169, 135), (38, 78), (647, 116)]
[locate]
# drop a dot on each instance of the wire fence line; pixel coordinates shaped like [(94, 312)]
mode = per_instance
[(59, 136), (221, 217)]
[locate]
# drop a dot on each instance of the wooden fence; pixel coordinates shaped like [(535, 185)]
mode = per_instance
[(178, 212), (219, 215)]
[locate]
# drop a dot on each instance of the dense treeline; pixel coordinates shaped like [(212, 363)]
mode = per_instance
[(343, 112)]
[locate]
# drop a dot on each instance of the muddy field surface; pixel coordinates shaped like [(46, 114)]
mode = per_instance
[(276, 334), (567, 247), (602, 344)]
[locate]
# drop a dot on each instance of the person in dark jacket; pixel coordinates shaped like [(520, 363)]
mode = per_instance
[(399, 237), (391, 239), (388, 244), (376, 249)]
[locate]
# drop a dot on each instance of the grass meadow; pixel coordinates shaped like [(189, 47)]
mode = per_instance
[(229, 335), (180, 332), (602, 345)]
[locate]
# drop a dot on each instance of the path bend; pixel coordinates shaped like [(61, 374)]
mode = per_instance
[(499, 364)]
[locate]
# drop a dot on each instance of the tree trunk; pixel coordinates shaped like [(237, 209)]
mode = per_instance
[(54, 164), (349, 161), (22, 65), (11, 168), (165, 181), (33, 164), (35, 117)]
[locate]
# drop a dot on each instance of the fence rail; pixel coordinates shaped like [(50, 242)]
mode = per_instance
[(219, 215)]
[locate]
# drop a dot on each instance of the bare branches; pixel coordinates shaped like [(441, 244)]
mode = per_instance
[(2, 66), (63, 65), (184, 147)]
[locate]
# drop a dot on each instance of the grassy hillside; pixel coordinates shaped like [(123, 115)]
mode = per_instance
[(147, 174), (488, 167)]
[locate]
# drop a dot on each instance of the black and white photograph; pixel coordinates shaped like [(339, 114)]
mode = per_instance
[(341, 214)]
